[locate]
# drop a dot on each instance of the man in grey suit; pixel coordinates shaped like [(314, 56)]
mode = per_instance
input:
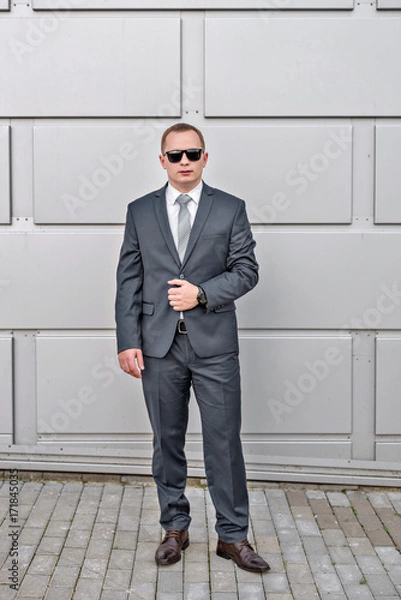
[(187, 255)]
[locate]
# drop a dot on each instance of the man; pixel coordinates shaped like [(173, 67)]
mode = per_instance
[(187, 254)]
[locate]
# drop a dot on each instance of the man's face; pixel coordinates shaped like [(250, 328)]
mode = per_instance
[(183, 175)]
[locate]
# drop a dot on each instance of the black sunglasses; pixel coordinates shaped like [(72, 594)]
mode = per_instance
[(193, 154)]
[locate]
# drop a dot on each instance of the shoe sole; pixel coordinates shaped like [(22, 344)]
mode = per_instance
[(228, 557), (172, 562)]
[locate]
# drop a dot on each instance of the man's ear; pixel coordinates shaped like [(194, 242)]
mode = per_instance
[(162, 160)]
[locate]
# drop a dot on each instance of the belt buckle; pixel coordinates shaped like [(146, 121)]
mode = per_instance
[(181, 326)]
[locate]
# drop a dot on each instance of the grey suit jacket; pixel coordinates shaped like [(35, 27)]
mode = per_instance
[(219, 257)]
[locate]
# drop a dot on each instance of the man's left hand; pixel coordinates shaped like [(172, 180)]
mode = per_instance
[(183, 297)]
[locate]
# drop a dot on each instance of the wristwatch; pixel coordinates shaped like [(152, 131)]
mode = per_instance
[(202, 300)]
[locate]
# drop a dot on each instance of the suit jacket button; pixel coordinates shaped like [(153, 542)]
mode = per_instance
[(182, 276)]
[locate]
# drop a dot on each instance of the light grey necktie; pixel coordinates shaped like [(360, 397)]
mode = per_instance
[(184, 224)]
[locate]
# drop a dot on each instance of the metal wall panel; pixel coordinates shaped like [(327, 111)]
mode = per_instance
[(316, 279), (4, 174), (291, 445), (95, 398), (6, 387), (391, 4), (294, 174), (58, 60), (388, 174), (302, 73), (388, 451), (296, 384), (68, 277), (306, 377), (88, 174), (388, 385), (189, 4)]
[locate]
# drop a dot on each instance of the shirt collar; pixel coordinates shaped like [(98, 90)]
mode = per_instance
[(172, 194)]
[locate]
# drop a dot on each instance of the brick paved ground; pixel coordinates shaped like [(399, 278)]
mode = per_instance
[(90, 540)]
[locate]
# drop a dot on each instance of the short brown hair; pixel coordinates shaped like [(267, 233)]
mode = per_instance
[(179, 128)]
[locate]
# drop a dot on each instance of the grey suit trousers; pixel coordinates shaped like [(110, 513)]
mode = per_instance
[(216, 383)]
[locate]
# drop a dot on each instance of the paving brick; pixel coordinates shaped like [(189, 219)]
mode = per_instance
[(380, 585), (64, 576), (246, 591), (34, 585), (94, 568), (307, 528), (196, 572), (42, 565), (88, 588), (302, 591), (293, 554), (117, 579), (196, 552), (275, 582), (196, 591), (299, 573), (57, 528), (222, 581), (394, 572), (71, 557), (50, 545), (361, 547), (142, 591), (334, 537), (388, 555), (125, 540), (321, 563), (359, 592), (99, 549), (337, 499), (297, 498), (328, 583), (113, 595), (314, 546), (58, 593), (349, 574), (341, 555)]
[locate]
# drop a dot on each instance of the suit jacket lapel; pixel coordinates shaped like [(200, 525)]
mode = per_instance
[(205, 204), (162, 218)]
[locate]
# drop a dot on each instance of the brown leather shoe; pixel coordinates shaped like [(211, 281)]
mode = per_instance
[(169, 551), (243, 555)]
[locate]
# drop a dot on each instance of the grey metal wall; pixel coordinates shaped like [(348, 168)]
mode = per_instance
[(300, 103)]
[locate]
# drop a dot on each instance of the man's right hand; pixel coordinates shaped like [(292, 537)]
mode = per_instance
[(131, 362)]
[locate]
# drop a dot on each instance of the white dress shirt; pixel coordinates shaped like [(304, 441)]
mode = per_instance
[(173, 208)]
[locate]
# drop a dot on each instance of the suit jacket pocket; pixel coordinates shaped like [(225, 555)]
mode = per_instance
[(225, 307), (148, 308)]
